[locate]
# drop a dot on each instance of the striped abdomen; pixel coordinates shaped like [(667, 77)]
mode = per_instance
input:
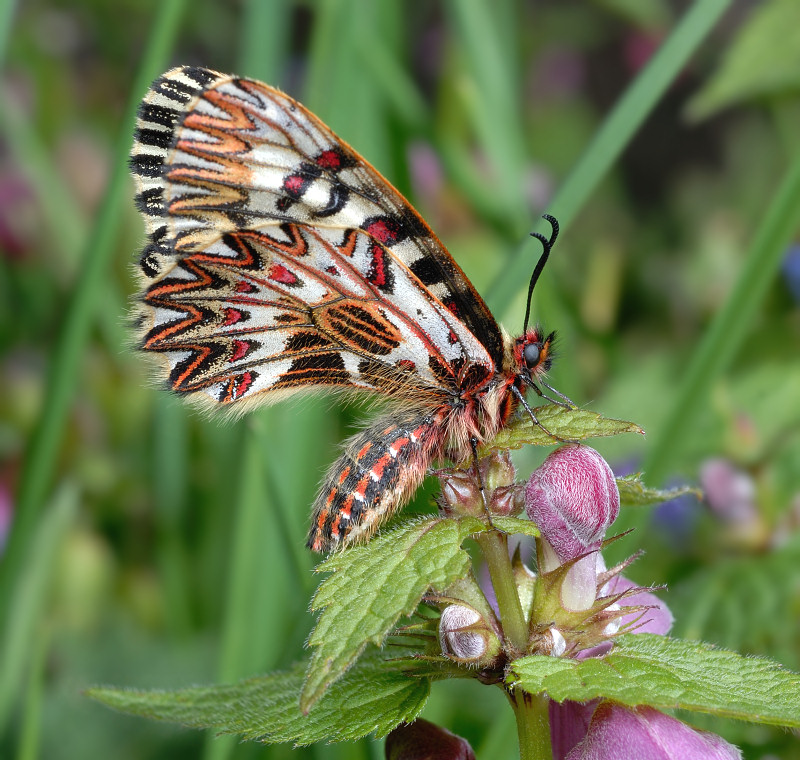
[(379, 471)]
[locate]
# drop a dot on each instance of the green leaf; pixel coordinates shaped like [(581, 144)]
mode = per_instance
[(568, 424), (373, 585), (634, 493), (646, 669), (515, 526), (756, 64), (372, 698)]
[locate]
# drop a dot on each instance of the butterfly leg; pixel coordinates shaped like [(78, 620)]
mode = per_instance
[(565, 402), (518, 393), (473, 442)]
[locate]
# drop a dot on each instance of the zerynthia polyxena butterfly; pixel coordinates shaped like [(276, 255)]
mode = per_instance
[(278, 260)]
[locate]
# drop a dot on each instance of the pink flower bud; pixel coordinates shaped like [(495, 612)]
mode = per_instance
[(625, 733), (422, 740), (572, 498)]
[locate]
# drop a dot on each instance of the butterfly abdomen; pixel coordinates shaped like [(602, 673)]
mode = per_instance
[(380, 469)]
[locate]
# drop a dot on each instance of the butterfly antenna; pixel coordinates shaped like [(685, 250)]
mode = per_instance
[(547, 246)]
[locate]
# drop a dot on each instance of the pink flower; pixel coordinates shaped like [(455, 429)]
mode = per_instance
[(569, 721), (617, 732)]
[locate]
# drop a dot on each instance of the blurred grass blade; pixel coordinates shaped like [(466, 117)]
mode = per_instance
[(27, 604), (491, 95), (615, 134), (171, 478), (40, 460), (7, 10), (31, 729), (732, 323), (64, 219)]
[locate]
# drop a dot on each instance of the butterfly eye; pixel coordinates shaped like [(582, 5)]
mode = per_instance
[(531, 354)]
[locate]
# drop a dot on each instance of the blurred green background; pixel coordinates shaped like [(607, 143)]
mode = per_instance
[(150, 546)]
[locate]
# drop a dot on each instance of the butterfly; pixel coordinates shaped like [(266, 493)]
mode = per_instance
[(279, 261)]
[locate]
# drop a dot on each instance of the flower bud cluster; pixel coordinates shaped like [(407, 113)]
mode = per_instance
[(461, 489)]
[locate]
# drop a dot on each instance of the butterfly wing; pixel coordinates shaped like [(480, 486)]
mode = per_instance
[(278, 259)]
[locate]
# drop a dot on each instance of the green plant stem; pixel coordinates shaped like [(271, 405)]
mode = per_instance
[(494, 546), (533, 725)]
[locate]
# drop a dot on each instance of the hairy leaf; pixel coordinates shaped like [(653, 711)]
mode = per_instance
[(646, 669), (373, 585), (372, 698), (568, 424), (634, 493)]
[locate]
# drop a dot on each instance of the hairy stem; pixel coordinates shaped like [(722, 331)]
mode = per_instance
[(494, 546), (533, 725)]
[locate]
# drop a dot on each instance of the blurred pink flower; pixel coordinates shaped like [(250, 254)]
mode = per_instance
[(617, 732)]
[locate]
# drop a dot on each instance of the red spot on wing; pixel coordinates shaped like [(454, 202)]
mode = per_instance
[(243, 286), (383, 230), (237, 387), (452, 307), (232, 316), (331, 270), (329, 159), (377, 272), (294, 185), (243, 383), (407, 365), (240, 349), (452, 337), (279, 273)]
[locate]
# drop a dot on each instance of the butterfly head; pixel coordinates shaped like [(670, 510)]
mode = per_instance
[(533, 354)]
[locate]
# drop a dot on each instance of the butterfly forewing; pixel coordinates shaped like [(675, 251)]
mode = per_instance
[(280, 260)]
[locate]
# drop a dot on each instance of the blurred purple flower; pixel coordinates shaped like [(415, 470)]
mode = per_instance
[(6, 513), (791, 270), (730, 493), (426, 171), (617, 732)]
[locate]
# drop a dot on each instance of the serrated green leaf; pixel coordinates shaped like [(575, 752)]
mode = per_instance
[(516, 526), (372, 698), (647, 669), (373, 585), (755, 66), (568, 424), (634, 493)]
